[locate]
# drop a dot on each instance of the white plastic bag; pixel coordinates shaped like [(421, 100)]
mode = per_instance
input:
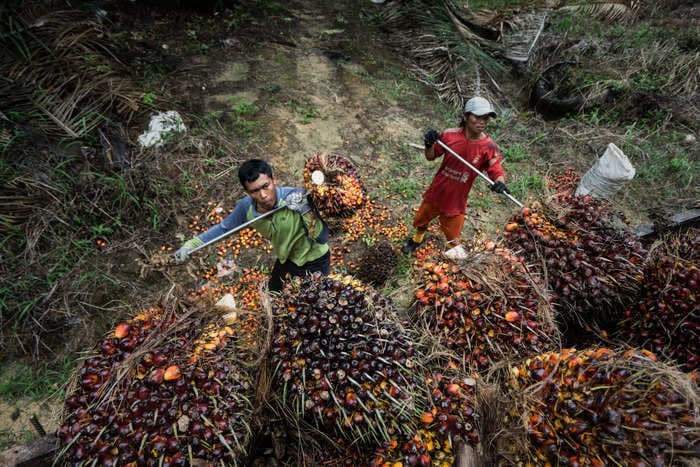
[(607, 175), (161, 124)]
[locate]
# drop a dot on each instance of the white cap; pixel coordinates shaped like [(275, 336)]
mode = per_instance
[(479, 107)]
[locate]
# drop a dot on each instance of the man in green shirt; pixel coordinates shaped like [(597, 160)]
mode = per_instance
[(298, 235)]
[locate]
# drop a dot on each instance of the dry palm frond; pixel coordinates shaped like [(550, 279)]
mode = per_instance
[(521, 38), (58, 70), (606, 11), (446, 48)]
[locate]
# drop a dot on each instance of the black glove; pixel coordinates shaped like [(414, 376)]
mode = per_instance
[(499, 187), (430, 137)]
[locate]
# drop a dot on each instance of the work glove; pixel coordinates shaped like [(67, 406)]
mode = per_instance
[(430, 137), (499, 187), (297, 201), (183, 254)]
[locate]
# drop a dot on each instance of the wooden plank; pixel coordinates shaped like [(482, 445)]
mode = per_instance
[(38, 453), (677, 221)]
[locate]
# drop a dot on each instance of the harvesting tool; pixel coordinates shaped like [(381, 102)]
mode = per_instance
[(295, 202), (474, 169)]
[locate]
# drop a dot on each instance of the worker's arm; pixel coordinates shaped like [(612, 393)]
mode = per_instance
[(496, 173), (233, 220)]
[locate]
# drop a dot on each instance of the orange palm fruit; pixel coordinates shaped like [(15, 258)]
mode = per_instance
[(171, 373), (122, 330), (512, 316)]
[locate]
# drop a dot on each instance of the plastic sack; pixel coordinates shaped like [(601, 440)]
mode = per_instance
[(161, 125), (607, 175)]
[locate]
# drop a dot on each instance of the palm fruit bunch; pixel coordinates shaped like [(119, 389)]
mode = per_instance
[(349, 369), (486, 307), (666, 317), (599, 407), (450, 418), (377, 264), (162, 389), (342, 362), (340, 192), (593, 268)]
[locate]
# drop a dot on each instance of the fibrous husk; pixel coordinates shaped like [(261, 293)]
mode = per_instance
[(162, 388), (598, 407), (485, 307), (377, 264)]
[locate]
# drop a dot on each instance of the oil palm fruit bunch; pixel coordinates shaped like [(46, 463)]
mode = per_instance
[(334, 185), (345, 364), (593, 268), (160, 390), (377, 264), (600, 407), (666, 317), (449, 417), (486, 307)]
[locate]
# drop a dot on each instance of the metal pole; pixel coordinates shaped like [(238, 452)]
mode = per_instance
[(476, 171), (240, 227)]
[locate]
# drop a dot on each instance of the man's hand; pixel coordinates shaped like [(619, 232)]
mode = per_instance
[(183, 254), (298, 202), (499, 187), (430, 137)]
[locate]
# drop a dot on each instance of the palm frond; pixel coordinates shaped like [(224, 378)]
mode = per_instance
[(521, 38), (57, 68), (604, 11), (446, 48)]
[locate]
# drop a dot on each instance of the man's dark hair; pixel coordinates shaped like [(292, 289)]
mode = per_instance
[(251, 169)]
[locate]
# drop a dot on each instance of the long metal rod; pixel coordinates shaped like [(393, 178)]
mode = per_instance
[(240, 227), (476, 171)]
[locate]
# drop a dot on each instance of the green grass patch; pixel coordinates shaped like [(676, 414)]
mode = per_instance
[(523, 187), (22, 380), (403, 187), (305, 109), (514, 153)]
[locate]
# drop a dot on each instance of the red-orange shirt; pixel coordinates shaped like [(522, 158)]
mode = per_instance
[(453, 181)]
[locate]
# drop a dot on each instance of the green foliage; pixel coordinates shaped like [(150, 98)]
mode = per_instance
[(476, 5), (305, 108), (21, 380), (243, 111), (149, 98), (514, 153), (522, 187), (404, 187)]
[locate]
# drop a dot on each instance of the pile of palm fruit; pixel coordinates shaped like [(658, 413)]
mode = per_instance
[(162, 389), (377, 264), (599, 407), (593, 267), (486, 308), (346, 366), (666, 319), (339, 192)]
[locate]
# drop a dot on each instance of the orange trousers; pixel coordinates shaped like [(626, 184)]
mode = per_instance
[(451, 226)]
